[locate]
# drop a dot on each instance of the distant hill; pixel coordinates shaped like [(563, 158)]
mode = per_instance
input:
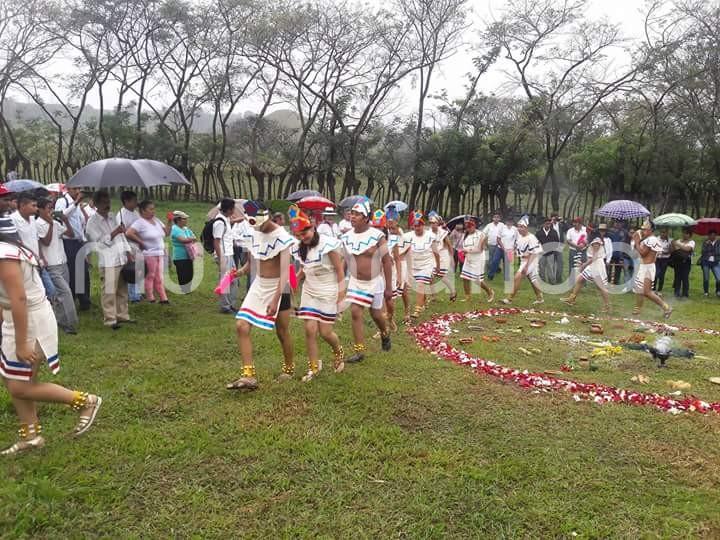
[(17, 112)]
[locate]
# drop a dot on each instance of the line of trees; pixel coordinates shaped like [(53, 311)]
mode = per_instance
[(571, 127)]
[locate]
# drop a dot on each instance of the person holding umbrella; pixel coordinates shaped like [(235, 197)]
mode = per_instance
[(647, 245), (710, 262)]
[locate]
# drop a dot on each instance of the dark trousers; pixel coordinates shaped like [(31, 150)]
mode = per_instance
[(713, 269), (681, 283), (185, 272), (496, 255), (661, 266), (82, 293)]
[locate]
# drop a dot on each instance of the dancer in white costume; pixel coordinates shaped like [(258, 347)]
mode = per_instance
[(321, 268), (424, 259), (529, 250), (369, 263), (446, 269), (399, 246), (592, 270), (29, 339), (474, 247), (267, 304), (648, 246)]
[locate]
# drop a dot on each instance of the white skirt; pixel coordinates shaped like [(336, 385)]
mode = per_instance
[(254, 307), (42, 330), (318, 307)]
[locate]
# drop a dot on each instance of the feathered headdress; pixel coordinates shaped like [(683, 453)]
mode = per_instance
[(379, 219), (298, 219), (392, 214), (415, 217)]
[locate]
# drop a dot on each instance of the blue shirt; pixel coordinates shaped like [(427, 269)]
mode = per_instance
[(178, 248)]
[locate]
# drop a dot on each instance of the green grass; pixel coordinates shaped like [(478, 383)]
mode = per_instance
[(402, 445)]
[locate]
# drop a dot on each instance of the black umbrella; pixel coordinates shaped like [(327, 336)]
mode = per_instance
[(459, 219), (352, 200), (301, 194)]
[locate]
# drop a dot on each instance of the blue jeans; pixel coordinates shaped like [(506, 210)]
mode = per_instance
[(496, 255), (706, 269), (134, 292)]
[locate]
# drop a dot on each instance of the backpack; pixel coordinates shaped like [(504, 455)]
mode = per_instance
[(208, 241)]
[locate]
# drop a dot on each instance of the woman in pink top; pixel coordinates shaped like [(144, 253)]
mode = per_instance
[(149, 233)]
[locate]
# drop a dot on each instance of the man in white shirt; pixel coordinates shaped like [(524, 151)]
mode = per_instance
[(577, 240), (223, 241), (50, 232), (24, 219), (492, 232), (345, 225), (558, 224), (108, 238), (328, 227), (127, 216), (507, 239), (69, 204)]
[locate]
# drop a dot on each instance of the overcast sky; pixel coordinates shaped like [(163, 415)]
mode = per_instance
[(629, 14)]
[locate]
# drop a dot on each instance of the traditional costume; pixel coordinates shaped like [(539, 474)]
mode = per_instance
[(440, 235), (320, 289), (403, 245), (42, 337), (365, 293), (262, 247), (647, 270), (473, 268), (596, 271), (525, 247), (422, 250)]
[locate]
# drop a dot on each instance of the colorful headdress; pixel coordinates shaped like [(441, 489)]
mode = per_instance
[(434, 217), (646, 224), (379, 219), (298, 219), (415, 217), (391, 214), (524, 221), (362, 207)]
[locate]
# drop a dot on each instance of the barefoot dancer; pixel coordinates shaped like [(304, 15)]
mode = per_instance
[(370, 264), (29, 337), (446, 271), (321, 261), (266, 304), (529, 250), (648, 246), (474, 247), (399, 245), (424, 259), (592, 270)]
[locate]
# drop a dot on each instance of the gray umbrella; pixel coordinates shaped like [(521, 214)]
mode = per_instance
[(122, 172), (16, 186), (352, 200), (297, 195)]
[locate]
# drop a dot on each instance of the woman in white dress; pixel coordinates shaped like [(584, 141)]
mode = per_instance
[(592, 270), (446, 270), (399, 245), (474, 247), (321, 267), (424, 259)]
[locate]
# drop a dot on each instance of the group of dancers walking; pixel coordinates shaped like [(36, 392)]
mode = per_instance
[(366, 268)]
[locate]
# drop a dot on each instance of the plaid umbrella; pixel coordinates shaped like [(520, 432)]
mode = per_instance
[(623, 209), (673, 220)]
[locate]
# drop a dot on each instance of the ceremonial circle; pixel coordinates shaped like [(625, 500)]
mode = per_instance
[(434, 337)]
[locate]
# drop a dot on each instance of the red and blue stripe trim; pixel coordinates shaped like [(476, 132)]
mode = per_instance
[(304, 312), (261, 321)]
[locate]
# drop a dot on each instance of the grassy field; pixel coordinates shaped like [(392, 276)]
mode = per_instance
[(402, 445)]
